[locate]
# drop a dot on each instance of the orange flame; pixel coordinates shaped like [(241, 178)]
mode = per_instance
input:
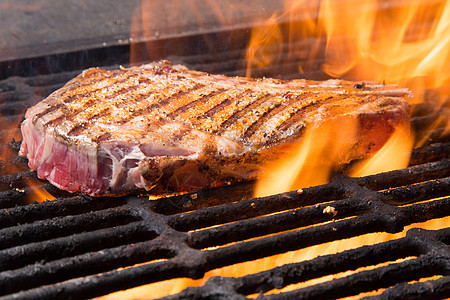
[(393, 155), (312, 160), (38, 193), (398, 44), (264, 46), (408, 45), (403, 43)]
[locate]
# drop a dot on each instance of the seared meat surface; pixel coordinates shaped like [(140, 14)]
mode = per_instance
[(164, 128)]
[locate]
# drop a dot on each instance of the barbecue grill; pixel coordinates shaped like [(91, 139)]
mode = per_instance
[(76, 246)]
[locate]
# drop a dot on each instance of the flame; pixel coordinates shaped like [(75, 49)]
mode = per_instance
[(365, 40), (376, 43), (403, 43), (265, 45), (37, 192), (312, 159), (393, 155)]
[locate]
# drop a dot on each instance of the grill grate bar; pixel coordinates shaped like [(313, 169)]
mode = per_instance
[(55, 208), (251, 228), (255, 207), (424, 266), (20, 256), (279, 222), (418, 192), (431, 289), (16, 180), (430, 153), (93, 262), (51, 228), (384, 219), (406, 176), (94, 285)]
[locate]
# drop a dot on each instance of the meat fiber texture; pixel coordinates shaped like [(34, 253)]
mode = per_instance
[(162, 128)]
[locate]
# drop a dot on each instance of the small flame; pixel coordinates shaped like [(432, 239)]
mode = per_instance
[(264, 46), (38, 193), (312, 159), (395, 154)]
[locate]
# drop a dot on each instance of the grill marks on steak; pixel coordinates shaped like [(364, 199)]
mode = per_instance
[(280, 115), (160, 125)]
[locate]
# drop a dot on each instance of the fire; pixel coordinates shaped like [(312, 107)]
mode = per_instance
[(313, 158), (408, 45), (400, 59), (37, 192), (392, 156), (264, 46)]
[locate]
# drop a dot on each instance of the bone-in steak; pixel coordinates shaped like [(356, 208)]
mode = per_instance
[(164, 128)]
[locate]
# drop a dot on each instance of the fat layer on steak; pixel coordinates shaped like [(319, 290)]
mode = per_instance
[(164, 128)]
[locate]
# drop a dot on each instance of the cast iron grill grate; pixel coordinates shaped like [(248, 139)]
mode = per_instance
[(429, 249), (83, 247), (80, 247)]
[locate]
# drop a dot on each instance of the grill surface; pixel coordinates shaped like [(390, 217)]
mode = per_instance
[(80, 247), (50, 242)]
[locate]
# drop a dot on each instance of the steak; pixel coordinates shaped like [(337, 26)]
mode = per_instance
[(163, 128)]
